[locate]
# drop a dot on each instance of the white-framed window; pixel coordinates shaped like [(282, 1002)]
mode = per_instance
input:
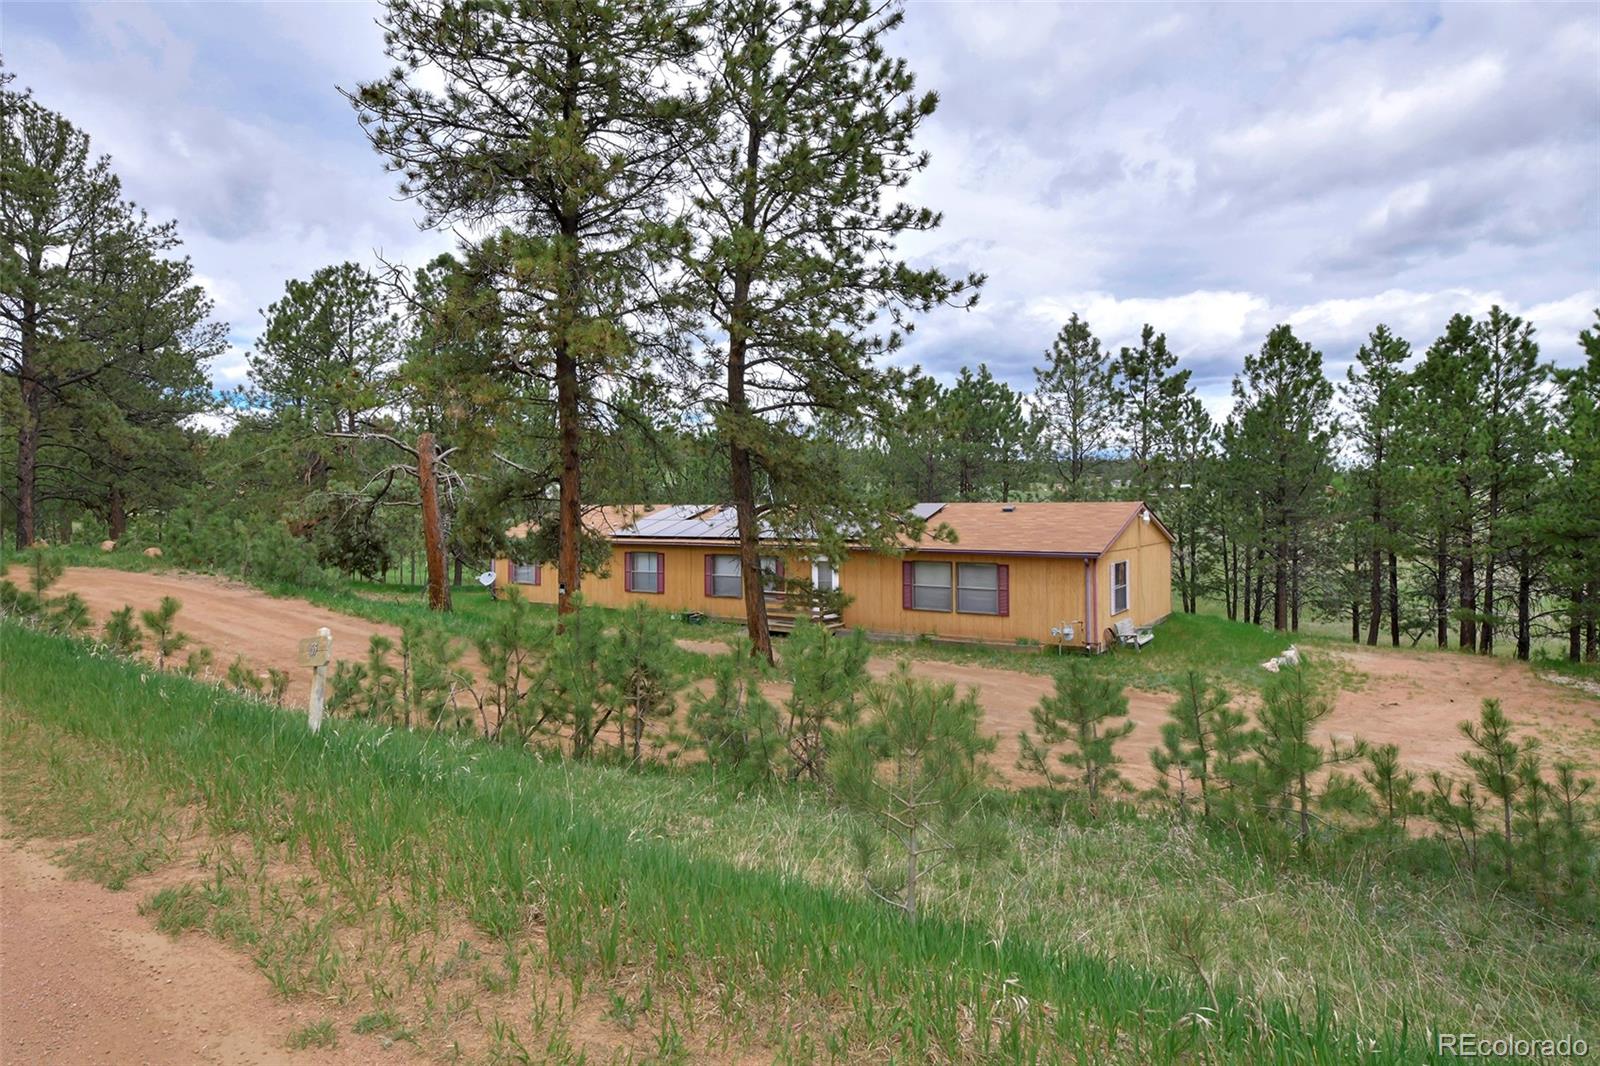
[(978, 588), (824, 576), (722, 576), (525, 573), (930, 586), (771, 573), (644, 572), (1119, 587)]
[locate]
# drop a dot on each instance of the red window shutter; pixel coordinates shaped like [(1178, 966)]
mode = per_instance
[(536, 569), (661, 571), (779, 570), (627, 571), (905, 585), (710, 570), (1002, 584)]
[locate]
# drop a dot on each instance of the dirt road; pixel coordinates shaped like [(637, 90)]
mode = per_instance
[(1413, 699), (84, 978)]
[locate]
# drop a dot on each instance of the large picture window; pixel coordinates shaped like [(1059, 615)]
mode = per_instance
[(978, 588), (525, 573), (1119, 587), (930, 586), (645, 572), (722, 576)]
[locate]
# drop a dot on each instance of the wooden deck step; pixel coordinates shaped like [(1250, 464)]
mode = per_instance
[(784, 621)]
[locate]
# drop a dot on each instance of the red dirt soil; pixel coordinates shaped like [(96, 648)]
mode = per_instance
[(1415, 699), (85, 978)]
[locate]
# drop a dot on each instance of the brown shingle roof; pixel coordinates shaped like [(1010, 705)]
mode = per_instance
[(999, 528), (1035, 528)]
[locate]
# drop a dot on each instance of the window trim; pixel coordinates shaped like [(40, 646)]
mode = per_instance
[(533, 580), (995, 588), (630, 582), (949, 586), (1126, 587)]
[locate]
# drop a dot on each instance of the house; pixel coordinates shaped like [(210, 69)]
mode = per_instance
[(1014, 572)]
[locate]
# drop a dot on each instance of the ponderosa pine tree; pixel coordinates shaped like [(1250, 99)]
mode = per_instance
[(555, 120), (1440, 425), (127, 445), (1509, 445), (76, 265), (1375, 393), (1190, 500), (1283, 431), (1073, 396), (810, 137), (1147, 402), (1569, 527), (989, 434), (326, 344)]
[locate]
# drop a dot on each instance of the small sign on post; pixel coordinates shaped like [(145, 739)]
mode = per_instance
[(316, 652)]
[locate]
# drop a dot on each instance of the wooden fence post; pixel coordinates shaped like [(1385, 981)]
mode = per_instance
[(319, 679)]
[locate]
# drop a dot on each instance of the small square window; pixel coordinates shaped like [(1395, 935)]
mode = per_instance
[(726, 579), (930, 586), (978, 588), (525, 573)]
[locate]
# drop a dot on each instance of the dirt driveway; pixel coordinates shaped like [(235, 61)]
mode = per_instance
[(1410, 698), (85, 978)]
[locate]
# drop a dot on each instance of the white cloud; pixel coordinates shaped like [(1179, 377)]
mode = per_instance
[(1211, 170)]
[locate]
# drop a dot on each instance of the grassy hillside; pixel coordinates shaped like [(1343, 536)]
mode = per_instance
[(481, 901)]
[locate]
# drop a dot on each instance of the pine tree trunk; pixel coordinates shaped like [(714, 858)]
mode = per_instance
[(1374, 595), (570, 516), (1467, 635), (432, 532), (116, 513), (1524, 607), (1575, 630), (1394, 600), (1441, 590), (27, 454), (1280, 584), (741, 472)]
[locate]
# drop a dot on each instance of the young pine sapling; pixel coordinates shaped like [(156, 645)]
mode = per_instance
[(914, 771), (734, 724), (642, 674), (168, 641), (826, 674), (1080, 714)]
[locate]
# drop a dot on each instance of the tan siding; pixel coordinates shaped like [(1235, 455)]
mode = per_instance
[(1148, 554), (685, 584), (1044, 592)]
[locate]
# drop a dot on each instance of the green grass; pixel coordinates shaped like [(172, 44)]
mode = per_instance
[(735, 915), (316, 1034), (1229, 651)]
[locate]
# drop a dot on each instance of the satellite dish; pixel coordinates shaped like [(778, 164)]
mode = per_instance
[(486, 578)]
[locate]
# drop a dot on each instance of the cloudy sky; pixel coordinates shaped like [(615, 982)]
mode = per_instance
[(1211, 170)]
